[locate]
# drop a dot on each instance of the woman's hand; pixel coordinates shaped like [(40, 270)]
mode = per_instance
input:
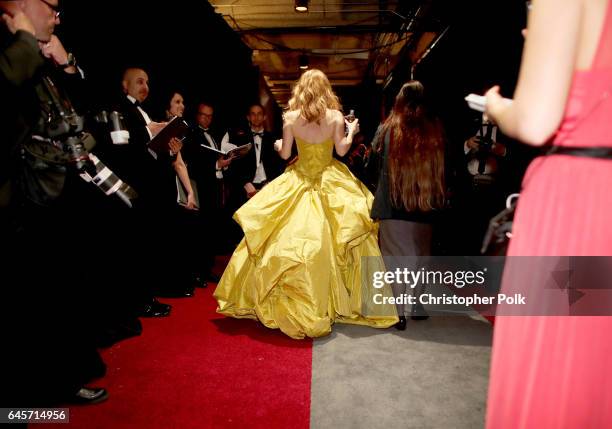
[(278, 145), (250, 190), (352, 127), (191, 203), (495, 104), (175, 145)]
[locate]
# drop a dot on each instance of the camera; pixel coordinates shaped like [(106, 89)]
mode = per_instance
[(109, 183), (70, 143)]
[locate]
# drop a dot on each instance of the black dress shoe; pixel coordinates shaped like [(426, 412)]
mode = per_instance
[(89, 396), (401, 325), (156, 309)]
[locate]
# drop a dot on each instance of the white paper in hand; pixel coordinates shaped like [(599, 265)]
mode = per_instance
[(479, 102), (476, 102), (227, 146)]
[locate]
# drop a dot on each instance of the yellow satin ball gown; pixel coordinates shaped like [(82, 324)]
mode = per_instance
[(308, 253)]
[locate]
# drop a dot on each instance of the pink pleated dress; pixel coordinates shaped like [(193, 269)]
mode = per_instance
[(556, 371)]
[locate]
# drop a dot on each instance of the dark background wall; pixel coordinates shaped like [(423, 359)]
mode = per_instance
[(181, 44), (186, 45), (482, 47)]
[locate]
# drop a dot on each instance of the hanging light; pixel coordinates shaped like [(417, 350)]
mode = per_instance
[(301, 6), (303, 61)]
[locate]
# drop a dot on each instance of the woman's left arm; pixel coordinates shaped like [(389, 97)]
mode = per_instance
[(287, 144), (183, 174), (545, 78)]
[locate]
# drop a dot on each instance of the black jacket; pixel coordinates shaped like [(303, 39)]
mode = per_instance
[(201, 163), (152, 178), (244, 168), (25, 109), (20, 62)]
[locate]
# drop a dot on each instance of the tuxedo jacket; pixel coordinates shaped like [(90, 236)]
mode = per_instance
[(244, 168), (201, 164), (152, 178)]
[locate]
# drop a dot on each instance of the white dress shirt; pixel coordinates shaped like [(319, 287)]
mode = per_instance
[(260, 172), (143, 113)]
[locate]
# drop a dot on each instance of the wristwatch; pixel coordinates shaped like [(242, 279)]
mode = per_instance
[(70, 63)]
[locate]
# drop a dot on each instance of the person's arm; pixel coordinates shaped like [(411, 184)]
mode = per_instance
[(71, 78), (250, 190), (343, 142), (20, 60), (285, 149), (546, 73), (183, 175), (55, 51)]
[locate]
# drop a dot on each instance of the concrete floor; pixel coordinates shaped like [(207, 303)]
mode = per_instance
[(432, 375)]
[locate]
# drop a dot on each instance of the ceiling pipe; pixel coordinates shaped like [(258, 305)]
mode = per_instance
[(427, 51)]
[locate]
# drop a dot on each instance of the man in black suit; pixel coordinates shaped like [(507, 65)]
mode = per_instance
[(152, 176), (133, 161), (210, 171), (262, 164), (209, 168)]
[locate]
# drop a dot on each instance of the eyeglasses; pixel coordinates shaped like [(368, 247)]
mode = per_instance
[(55, 8)]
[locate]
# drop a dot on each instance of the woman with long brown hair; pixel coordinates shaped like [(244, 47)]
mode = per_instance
[(310, 248), (409, 162)]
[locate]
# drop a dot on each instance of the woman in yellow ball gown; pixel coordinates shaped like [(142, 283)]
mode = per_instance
[(310, 248)]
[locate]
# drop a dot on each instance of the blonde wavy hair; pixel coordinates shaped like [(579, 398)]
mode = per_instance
[(312, 95)]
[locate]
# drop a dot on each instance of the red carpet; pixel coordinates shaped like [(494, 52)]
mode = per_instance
[(197, 369)]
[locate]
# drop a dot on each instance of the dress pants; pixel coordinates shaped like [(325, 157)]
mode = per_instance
[(399, 238)]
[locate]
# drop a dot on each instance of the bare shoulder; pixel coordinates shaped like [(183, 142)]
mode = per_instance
[(291, 116), (334, 116)]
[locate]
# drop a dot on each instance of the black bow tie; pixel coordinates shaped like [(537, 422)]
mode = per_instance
[(137, 103), (260, 134)]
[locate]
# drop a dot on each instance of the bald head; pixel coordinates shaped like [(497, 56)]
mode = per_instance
[(136, 83)]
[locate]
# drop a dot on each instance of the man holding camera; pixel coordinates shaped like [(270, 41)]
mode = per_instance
[(50, 356)]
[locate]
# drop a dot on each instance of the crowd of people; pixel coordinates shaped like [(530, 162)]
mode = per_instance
[(85, 265), (102, 259)]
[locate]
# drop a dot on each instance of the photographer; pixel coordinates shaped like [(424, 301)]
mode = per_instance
[(485, 186), (50, 357)]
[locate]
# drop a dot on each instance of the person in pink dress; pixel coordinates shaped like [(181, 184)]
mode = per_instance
[(556, 371)]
